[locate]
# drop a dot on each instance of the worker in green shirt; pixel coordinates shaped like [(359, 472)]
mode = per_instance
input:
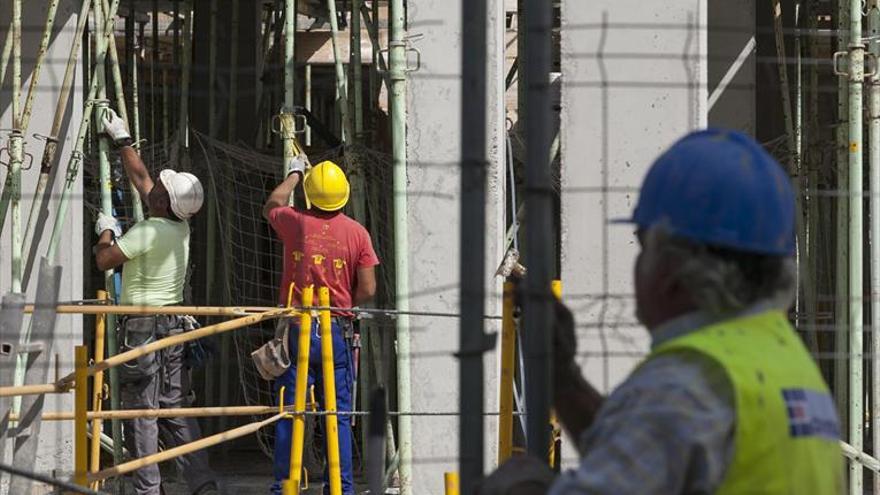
[(154, 254)]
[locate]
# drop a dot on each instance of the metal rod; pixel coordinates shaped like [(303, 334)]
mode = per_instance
[(506, 376), (183, 412), (80, 424), (68, 487), (154, 59), (472, 337), (52, 8), (357, 68), (856, 79), (185, 76), (97, 393), (874, 170), (302, 375), (342, 98), (16, 149), (331, 430), (183, 449), (135, 108), (397, 76), (841, 236), (308, 102), (4, 58), (540, 257)]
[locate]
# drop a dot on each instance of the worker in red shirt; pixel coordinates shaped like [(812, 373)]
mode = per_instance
[(325, 248)]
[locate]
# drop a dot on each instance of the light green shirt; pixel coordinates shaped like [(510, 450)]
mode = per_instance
[(158, 253)]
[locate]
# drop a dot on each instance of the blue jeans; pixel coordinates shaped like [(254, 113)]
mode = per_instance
[(343, 371)]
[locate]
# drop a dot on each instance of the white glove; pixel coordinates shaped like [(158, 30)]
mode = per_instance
[(106, 222), (116, 128), (296, 164)]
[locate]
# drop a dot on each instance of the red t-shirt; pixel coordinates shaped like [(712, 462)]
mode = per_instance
[(324, 251)]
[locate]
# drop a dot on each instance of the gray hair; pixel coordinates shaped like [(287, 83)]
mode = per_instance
[(720, 280)]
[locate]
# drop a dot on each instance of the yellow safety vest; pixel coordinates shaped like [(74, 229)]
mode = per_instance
[(787, 432)]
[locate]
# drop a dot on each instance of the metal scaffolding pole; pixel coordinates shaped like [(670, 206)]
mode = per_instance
[(397, 75), (4, 58), (472, 336), (16, 148), (233, 72), (183, 126), (356, 69), (841, 236), (341, 87), (539, 252), (874, 163), (856, 395)]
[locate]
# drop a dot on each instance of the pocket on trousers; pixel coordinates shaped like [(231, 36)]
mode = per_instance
[(138, 332)]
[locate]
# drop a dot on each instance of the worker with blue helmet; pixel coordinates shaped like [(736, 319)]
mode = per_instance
[(728, 400)]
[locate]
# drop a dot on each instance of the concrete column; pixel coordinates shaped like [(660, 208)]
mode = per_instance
[(55, 451), (633, 81), (433, 143)]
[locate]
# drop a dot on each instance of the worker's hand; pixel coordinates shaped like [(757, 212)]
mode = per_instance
[(106, 222), (564, 339), (296, 164), (116, 128)]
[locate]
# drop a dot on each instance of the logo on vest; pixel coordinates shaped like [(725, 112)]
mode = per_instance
[(811, 414)]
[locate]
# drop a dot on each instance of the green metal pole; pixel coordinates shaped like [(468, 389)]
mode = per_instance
[(398, 88), (186, 71), (874, 163), (342, 100), (51, 147), (136, 203), (4, 58), (104, 43), (16, 148), (356, 68), (288, 134), (856, 395), (38, 64), (841, 317), (135, 86)]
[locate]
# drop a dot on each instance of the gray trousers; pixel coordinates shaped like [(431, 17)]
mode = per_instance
[(167, 389)]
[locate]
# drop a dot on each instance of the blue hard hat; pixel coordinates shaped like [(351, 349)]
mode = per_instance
[(721, 188)]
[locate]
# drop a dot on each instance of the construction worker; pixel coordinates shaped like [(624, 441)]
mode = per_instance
[(728, 399), (154, 257), (322, 248)]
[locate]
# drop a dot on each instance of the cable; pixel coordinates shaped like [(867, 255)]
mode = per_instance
[(49, 481)]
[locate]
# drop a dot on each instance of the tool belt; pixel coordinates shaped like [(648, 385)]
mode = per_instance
[(138, 331), (273, 358)]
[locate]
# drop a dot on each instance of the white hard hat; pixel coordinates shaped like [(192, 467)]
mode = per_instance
[(185, 192)]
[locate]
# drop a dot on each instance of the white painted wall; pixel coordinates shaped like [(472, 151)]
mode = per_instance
[(56, 443), (633, 81), (433, 146)]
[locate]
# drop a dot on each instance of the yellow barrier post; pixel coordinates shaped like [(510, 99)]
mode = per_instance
[(97, 392), (332, 428), (505, 392), (81, 405), (450, 480), (292, 484)]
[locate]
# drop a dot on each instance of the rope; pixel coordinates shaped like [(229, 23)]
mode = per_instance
[(49, 480)]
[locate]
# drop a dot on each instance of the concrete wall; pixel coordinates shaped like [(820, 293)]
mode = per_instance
[(634, 80), (433, 144), (56, 443)]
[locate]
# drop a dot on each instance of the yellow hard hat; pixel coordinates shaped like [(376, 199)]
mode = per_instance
[(326, 187)]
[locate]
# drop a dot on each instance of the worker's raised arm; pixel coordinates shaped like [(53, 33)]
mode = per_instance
[(135, 169), (296, 169)]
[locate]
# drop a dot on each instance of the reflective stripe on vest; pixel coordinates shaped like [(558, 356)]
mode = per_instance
[(787, 431)]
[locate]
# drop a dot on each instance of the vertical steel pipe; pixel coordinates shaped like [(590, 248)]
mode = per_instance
[(874, 171), (474, 164), (308, 102), (80, 424), (356, 69), (539, 250), (841, 236), (302, 380), (506, 377), (397, 77), (16, 149), (856, 299), (183, 126), (97, 391), (341, 87), (233, 73)]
